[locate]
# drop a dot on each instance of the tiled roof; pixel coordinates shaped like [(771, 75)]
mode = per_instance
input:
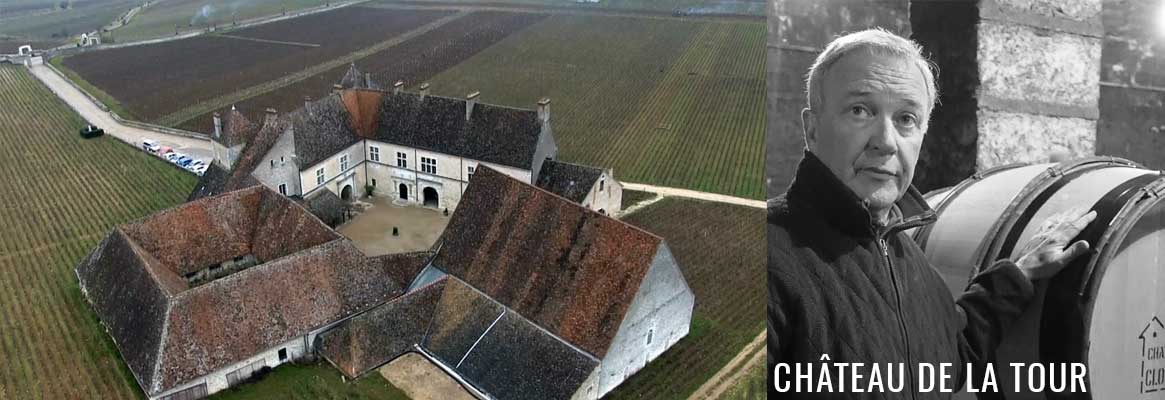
[(495, 134), (382, 334), (572, 181), (326, 206), (572, 271), (321, 130), (170, 333), (236, 129), (499, 351), (210, 183)]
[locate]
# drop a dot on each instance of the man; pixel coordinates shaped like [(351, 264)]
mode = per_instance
[(844, 281)]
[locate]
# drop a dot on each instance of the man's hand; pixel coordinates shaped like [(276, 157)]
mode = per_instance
[(1047, 252)]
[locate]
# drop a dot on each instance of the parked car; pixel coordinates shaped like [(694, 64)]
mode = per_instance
[(193, 164), (90, 131), (184, 161), (199, 170), (173, 156), (151, 146)]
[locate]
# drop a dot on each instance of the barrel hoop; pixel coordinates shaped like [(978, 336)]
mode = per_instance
[(1030, 212), (1062, 323), (922, 234)]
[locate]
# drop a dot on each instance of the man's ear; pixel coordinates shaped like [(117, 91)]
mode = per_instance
[(809, 126)]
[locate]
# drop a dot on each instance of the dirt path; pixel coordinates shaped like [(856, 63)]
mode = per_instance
[(83, 105), (738, 367), (668, 191)]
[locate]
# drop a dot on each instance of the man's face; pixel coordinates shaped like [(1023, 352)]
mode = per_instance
[(870, 124)]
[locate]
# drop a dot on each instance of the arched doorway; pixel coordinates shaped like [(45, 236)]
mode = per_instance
[(430, 197), (404, 191), (346, 193)]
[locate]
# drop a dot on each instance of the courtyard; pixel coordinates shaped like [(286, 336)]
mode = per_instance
[(372, 229)]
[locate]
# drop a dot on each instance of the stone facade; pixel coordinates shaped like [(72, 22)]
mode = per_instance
[(279, 168), (657, 318), (606, 196)]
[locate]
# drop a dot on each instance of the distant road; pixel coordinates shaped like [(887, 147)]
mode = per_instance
[(83, 105)]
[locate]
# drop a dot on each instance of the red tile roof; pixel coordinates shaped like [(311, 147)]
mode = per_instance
[(571, 270)]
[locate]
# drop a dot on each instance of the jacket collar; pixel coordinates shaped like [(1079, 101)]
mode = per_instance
[(816, 187)]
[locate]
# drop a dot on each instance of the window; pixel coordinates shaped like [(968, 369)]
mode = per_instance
[(471, 169), (283, 189), (374, 153), (429, 165), (280, 160), (650, 333), (272, 163), (402, 160), (343, 163), (283, 354), (601, 182), (373, 182), (320, 176)]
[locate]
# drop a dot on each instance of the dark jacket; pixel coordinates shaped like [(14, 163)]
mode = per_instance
[(861, 293)]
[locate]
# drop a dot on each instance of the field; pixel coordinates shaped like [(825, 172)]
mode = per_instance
[(62, 195), (311, 382), (692, 7), (45, 20), (665, 101), (160, 19), (414, 61), (721, 252), (154, 80), (662, 101)]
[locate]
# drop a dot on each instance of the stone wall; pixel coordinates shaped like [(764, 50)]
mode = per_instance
[(798, 30), (1132, 83), (1020, 81)]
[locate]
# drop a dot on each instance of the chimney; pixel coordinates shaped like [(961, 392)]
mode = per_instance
[(336, 88), (270, 118), (544, 110), (424, 90), (396, 87), (307, 104), (470, 102), (217, 125)]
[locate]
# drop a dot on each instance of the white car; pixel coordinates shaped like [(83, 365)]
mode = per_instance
[(173, 156), (199, 170), (151, 146)]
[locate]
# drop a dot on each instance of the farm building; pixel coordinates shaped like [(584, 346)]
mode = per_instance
[(417, 148), (526, 295), (248, 283)]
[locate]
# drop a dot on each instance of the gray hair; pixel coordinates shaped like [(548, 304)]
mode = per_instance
[(878, 41)]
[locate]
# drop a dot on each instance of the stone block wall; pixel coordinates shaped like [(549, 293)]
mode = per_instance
[(1020, 82)]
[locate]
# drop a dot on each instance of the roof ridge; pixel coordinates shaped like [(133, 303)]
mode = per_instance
[(389, 92), (574, 204)]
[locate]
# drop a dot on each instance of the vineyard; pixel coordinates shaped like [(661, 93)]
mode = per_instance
[(414, 61), (62, 195), (153, 81), (667, 102), (160, 18), (720, 249)]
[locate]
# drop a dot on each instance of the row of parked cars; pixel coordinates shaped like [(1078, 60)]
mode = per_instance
[(186, 162)]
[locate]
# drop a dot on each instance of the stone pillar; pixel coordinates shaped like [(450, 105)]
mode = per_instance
[(797, 31), (1019, 82)]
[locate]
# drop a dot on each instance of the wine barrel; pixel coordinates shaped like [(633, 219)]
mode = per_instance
[(1103, 308)]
